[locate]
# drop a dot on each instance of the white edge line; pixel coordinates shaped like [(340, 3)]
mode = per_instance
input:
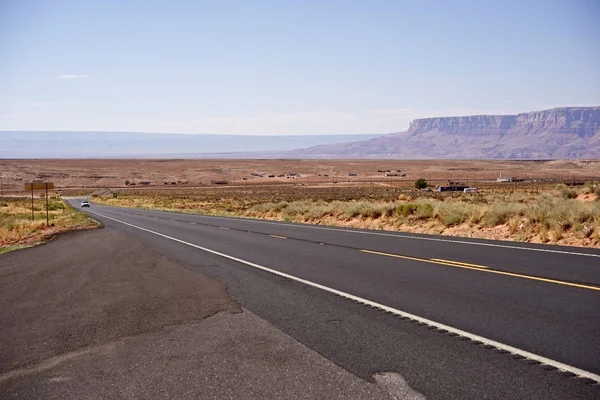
[(471, 336), (573, 253)]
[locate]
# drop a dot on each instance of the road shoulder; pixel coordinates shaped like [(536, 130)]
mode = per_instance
[(99, 315)]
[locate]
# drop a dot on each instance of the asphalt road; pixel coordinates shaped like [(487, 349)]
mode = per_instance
[(98, 315), (538, 302)]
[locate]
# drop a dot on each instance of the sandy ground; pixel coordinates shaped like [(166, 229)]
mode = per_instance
[(114, 172), (98, 315)]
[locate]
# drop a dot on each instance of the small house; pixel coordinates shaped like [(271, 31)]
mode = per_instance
[(504, 178)]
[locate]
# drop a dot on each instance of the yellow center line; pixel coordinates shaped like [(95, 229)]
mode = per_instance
[(223, 227), (491, 271), (459, 263), (278, 237), (406, 257)]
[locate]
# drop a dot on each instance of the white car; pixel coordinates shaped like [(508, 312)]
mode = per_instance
[(85, 203)]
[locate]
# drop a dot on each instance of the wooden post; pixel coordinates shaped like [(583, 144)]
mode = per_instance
[(32, 216), (47, 219)]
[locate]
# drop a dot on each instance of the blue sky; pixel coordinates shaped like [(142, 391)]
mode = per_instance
[(289, 67)]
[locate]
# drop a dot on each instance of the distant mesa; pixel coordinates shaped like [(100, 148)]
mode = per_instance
[(566, 132)]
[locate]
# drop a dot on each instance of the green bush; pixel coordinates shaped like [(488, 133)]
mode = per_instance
[(54, 206), (421, 183)]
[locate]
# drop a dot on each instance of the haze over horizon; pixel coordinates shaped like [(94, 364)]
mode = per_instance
[(270, 68)]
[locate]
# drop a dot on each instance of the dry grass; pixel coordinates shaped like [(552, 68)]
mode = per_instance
[(558, 215), (18, 230)]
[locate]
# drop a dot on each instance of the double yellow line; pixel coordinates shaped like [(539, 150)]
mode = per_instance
[(481, 268), (278, 237)]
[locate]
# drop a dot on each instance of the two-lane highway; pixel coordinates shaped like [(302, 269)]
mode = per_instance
[(537, 303)]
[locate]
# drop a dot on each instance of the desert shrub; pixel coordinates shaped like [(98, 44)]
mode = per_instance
[(582, 213), (9, 224), (389, 210), (479, 199), (405, 209), (313, 210), (373, 213), (587, 230), (54, 206), (351, 210), (476, 216), (514, 225), (500, 213), (453, 219), (561, 216), (262, 208), (317, 211), (415, 211), (296, 209), (281, 205), (452, 213), (568, 194), (565, 214), (544, 238), (590, 188), (423, 211), (558, 235)]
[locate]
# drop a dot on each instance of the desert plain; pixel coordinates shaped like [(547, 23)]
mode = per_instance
[(540, 201), (113, 173)]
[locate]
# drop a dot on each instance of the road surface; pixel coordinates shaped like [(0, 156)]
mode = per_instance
[(117, 320), (457, 318)]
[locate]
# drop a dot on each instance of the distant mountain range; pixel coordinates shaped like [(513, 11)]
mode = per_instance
[(566, 132), (138, 145)]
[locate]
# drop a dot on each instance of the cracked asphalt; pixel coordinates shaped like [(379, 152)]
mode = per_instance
[(95, 315)]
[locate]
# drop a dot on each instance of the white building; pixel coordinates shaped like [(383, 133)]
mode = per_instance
[(504, 178)]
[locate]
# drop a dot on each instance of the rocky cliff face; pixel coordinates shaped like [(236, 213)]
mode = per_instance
[(472, 124), (568, 132), (583, 121)]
